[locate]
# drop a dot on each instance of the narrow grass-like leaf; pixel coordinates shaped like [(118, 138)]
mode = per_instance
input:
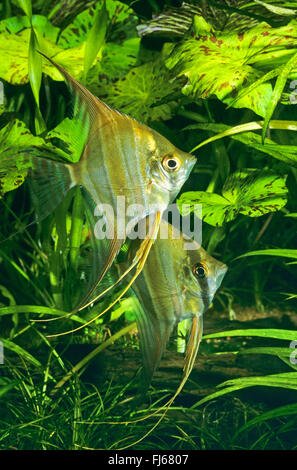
[(282, 411), (36, 309), (285, 380), (284, 153), (35, 75), (6, 388), (277, 10), (273, 351), (287, 253), (27, 7), (287, 335), (94, 353), (231, 131), (20, 351), (278, 89), (249, 89), (96, 38)]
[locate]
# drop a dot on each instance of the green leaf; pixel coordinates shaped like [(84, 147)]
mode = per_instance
[(41, 24), (95, 39), (5, 388), (142, 91), (246, 127), (286, 253), (215, 209), (20, 351), (222, 63), (68, 138), (14, 49), (288, 335), (116, 61), (249, 192), (285, 153), (282, 411), (277, 92), (286, 380), (119, 14), (277, 10), (27, 7), (175, 22), (34, 66), (13, 171), (16, 309)]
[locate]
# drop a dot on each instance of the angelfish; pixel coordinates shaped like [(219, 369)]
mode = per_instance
[(116, 156), (176, 283)]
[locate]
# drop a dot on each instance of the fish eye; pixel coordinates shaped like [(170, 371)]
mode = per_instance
[(171, 163), (200, 270)]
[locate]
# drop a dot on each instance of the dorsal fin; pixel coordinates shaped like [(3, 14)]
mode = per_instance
[(88, 112)]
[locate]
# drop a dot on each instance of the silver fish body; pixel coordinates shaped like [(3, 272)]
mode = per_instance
[(175, 284)]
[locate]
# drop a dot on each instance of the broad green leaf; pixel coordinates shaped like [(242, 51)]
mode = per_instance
[(14, 50), (216, 209), (223, 63), (41, 24), (13, 170), (67, 139), (11, 180), (253, 86), (77, 32), (256, 192), (14, 132), (249, 192), (141, 90), (116, 61)]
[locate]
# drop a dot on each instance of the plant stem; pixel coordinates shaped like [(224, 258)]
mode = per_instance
[(92, 354), (76, 227)]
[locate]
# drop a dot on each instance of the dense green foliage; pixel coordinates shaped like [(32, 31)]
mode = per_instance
[(218, 79)]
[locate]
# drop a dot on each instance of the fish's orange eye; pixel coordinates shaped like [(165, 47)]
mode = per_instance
[(171, 163), (200, 270)]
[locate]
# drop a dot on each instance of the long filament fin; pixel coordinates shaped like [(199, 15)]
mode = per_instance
[(143, 254)]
